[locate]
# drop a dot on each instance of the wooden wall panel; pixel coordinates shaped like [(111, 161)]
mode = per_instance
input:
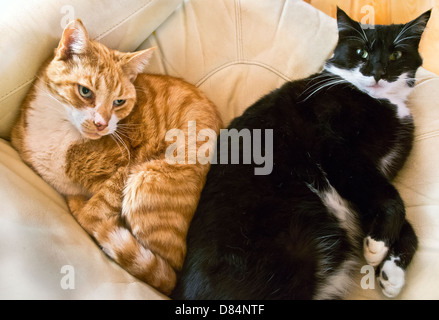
[(393, 11), (429, 46), (404, 11)]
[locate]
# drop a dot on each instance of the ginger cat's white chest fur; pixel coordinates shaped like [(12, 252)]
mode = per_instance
[(50, 134)]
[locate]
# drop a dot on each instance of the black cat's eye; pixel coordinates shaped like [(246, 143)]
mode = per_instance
[(362, 53), (85, 92), (119, 102), (395, 55)]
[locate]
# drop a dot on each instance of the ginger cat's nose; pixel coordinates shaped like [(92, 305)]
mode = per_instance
[(100, 125)]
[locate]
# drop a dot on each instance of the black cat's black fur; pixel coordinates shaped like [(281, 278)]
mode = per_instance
[(301, 231)]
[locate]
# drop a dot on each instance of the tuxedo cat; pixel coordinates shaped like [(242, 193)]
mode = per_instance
[(328, 206)]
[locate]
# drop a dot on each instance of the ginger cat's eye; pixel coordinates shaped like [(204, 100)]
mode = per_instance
[(85, 92), (362, 53), (395, 55), (119, 102)]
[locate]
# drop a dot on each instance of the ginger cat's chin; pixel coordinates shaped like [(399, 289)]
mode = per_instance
[(92, 135)]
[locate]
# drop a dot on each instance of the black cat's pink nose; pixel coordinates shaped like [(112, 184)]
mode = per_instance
[(100, 125)]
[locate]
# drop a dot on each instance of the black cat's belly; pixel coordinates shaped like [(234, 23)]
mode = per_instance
[(273, 244)]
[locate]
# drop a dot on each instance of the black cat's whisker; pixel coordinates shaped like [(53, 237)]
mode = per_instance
[(402, 46), (404, 39), (327, 83), (405, 29), (326, 77), (422, 80), (362, 34), (355, 38)]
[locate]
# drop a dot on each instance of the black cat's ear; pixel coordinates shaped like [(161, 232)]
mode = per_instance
[(344, 22), (418, 25), (413, 30)]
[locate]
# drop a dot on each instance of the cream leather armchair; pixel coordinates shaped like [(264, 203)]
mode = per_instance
[(233, 50)]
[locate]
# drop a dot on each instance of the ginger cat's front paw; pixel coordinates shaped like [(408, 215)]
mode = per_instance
[(76, 203)]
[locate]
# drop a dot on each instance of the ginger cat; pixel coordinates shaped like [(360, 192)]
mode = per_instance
[(94, 128)]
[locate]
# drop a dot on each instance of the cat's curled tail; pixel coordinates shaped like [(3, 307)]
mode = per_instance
[(100, 216)]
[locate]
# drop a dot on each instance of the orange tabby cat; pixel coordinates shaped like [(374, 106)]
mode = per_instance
[(96, 130)]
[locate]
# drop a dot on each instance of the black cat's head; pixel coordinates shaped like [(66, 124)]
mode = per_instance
[(379, 60)]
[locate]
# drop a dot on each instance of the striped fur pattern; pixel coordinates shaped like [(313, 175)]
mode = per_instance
[(94, 127)]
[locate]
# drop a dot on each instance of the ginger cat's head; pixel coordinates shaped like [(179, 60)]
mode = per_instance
[(94, 83)]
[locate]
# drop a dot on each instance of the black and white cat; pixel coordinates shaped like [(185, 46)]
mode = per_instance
[(339, 138)]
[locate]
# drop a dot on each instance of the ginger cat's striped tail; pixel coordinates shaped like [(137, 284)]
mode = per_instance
[(100, 216), (158, 223), (149, 239)]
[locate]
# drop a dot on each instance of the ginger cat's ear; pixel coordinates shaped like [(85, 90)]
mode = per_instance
[(74, 40), (136, 62)]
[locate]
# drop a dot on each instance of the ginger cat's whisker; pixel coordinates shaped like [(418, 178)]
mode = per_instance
[(118, 139), (120, 145)]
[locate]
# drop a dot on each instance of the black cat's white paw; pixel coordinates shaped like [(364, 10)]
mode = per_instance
[(391, 278), (374, 251)]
